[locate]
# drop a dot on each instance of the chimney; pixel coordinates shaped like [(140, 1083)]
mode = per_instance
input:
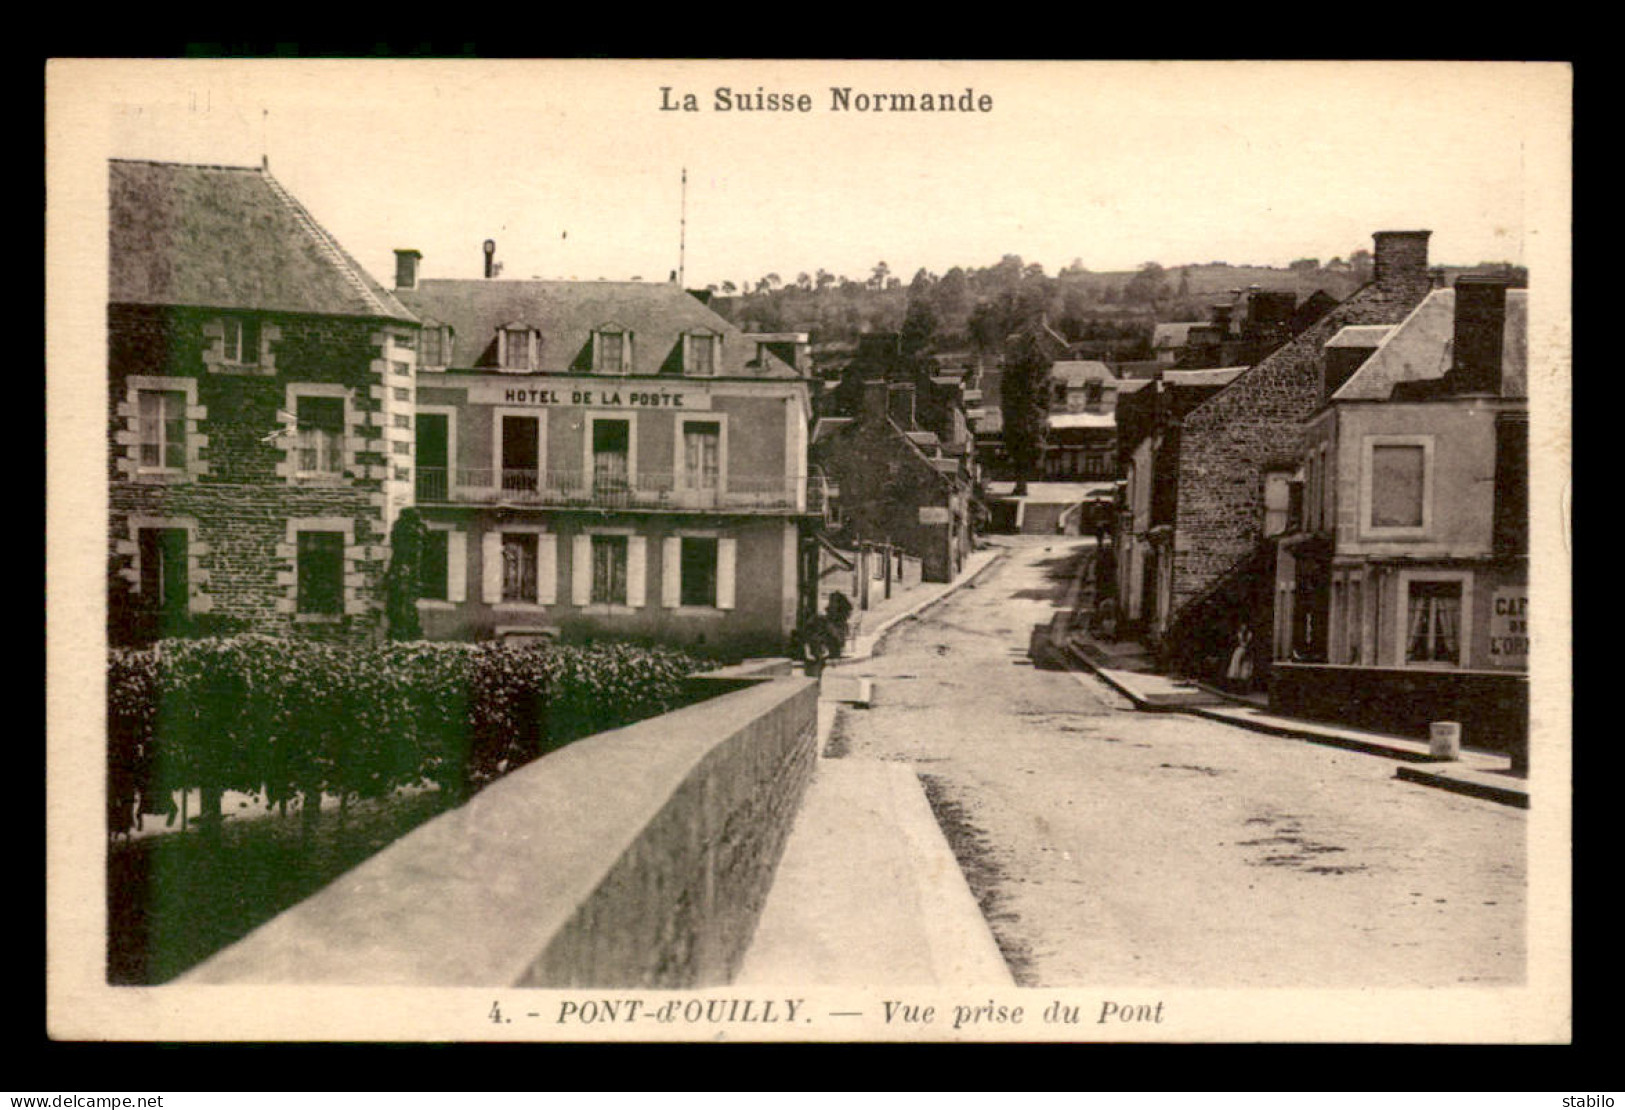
[(1437, 278), (1481, 313), (490, 254), (406, 268), (876, 400), (1401, 259)]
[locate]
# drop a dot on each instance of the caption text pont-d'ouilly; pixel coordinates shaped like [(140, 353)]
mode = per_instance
[(840, 98)]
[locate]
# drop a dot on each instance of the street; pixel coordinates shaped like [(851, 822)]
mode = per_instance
[(1109, 846)]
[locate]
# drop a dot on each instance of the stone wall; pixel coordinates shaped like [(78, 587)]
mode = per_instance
[(238, 493), (1492, 709), (637, 858)]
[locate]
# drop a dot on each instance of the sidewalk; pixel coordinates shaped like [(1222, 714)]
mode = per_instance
[(875, 622), (1478, 774), (868, 892)]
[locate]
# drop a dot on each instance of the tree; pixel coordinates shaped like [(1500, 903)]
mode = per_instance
[(804, 281), (824, 279), (1148, 286), (919, 330), (729, 288), (401, 581), (1024, 399), (881, 272)]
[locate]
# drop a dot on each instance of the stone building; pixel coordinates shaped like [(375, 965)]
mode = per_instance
[(1148, 437), (607, 459), (260, 411), (1221, 569), (1403, 565)]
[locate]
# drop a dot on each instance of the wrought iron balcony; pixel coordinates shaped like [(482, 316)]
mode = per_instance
[(645, 490)]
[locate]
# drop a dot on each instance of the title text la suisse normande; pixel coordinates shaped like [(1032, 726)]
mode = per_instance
[(842, 98)]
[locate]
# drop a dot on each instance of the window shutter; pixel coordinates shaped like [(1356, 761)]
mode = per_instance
[(547, 569), (457, 566), (671, 572), (688, 353), (626, 352), (491, 567), (725, 573), (581, 570), (637, 571)]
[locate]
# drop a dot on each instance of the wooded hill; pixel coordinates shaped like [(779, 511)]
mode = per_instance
[(975, 309)]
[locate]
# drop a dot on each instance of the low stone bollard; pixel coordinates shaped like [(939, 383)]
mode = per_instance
[(1444, 740)]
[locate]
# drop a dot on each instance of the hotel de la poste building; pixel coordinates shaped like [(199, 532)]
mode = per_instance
[(589, 459)]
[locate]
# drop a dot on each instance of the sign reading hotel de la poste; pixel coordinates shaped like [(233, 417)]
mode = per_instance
[(589, 392)]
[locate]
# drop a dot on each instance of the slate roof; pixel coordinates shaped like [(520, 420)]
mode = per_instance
[(1420, 348), (1166, 337), (566, 313), (229, 237), (1076, 372)]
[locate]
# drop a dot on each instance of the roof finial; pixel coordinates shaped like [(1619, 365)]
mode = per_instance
[(265, 144)]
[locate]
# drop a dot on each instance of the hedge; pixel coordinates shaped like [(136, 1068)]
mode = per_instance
[(280, 718)]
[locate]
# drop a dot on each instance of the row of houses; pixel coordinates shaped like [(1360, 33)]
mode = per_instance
[(1349, 510), (586, 459)]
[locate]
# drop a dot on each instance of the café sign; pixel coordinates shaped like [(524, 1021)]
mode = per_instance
[(1509, 627), (563, 394)]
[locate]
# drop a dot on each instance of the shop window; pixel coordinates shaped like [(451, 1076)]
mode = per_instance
[(699, 571), (162, 420), (321, 573), (1433, 623), (608, 570)]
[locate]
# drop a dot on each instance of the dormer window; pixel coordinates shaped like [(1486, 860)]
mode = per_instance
[(518, 348), (612, 350), (700, 354), (242, 340), (436, 346)]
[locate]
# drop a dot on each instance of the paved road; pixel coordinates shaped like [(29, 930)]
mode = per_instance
[(1113, 847)]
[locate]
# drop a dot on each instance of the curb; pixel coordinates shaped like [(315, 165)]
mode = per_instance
[(1451, 780), (1419, 767), (1069, 652)]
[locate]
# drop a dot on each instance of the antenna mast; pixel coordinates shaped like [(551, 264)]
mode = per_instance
[(682, 237)]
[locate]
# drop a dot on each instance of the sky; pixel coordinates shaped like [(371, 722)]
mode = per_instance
[(574, 169)]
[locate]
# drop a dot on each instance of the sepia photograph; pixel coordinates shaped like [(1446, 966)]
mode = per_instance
[(769, 550)]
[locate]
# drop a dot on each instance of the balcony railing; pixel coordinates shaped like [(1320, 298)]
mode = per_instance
[(652, 490)]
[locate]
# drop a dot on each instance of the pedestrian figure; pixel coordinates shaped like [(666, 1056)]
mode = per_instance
[(1240, 670)]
